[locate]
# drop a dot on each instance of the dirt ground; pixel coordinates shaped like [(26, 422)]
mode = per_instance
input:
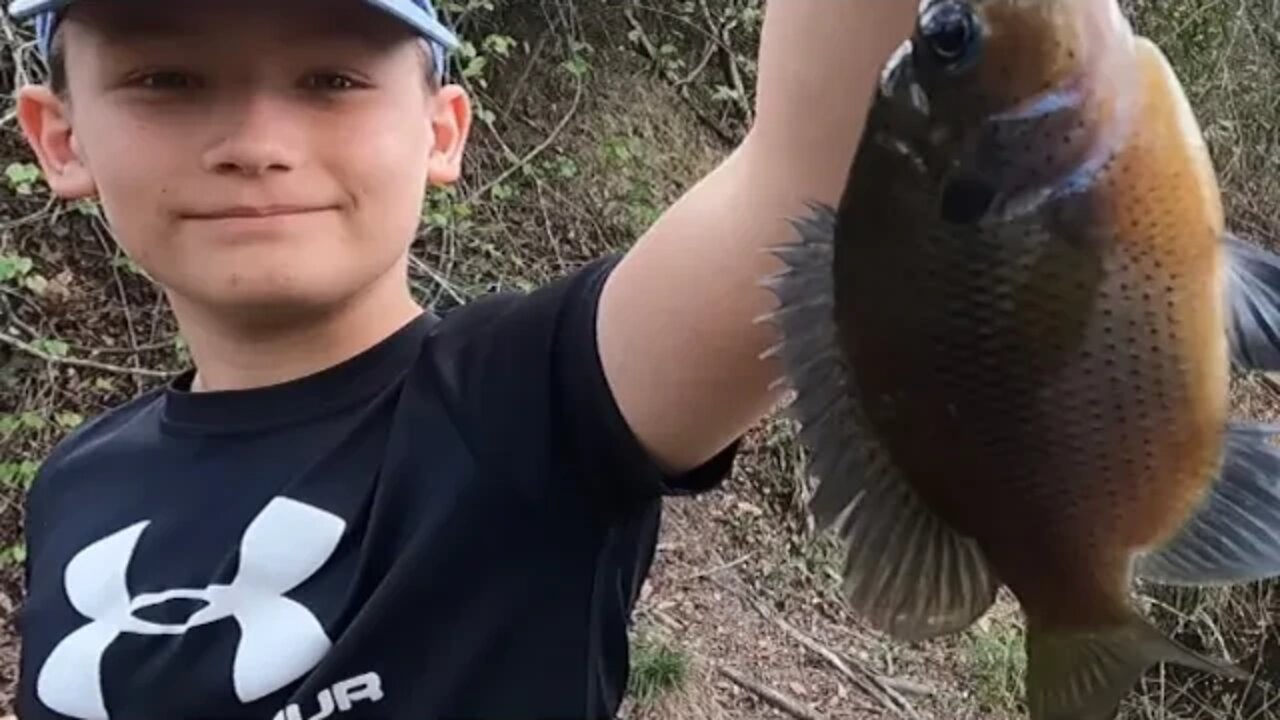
[(749, 600)]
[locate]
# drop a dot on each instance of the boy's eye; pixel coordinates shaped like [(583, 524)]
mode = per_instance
[(165, 80), (331, 81)]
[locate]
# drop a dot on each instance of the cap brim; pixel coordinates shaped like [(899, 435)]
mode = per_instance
[(413, 16), (23, 9), (423, 22), (419, 20)]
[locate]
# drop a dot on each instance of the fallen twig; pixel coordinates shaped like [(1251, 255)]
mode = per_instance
[(669, 622), (711, 571), (36, 352), (907, 686), (774, 698), (869, 681)]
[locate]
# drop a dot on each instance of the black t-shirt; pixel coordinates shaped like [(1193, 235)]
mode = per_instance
[(454, 524)]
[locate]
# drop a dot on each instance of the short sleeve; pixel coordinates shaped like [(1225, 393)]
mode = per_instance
[(525, 373), (595, 433)]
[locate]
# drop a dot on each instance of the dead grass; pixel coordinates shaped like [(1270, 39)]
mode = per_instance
[(1227, 53)]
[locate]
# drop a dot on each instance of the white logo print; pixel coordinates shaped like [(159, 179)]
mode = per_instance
[(343, 695), (279, 638)]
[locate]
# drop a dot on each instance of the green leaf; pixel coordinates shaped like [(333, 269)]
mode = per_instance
[(15, 554), (576, 66), (21, 176), (36, 284), (19, 475), (499, 44), (52, 348), (502, 191), (475, 67), (566, 167), (87, 207), (13, 266)]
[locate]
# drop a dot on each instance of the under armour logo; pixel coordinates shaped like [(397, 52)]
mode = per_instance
[(280, 639), (341, 697)]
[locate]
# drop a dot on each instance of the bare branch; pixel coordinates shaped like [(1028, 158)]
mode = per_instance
[(29, 349)]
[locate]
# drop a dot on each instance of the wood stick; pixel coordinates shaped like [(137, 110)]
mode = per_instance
[(29, 349), (869, 682), (712, 571), (774, 698), (682, 90), (907, 686)]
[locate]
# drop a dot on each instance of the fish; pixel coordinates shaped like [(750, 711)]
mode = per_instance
[(1008, 347)]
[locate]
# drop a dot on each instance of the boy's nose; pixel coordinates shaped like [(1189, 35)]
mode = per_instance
[(259, 137)]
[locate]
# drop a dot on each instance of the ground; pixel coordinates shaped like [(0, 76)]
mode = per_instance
[(593, 117)]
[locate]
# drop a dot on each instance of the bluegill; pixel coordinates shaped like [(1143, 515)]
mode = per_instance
[(1010, 346)]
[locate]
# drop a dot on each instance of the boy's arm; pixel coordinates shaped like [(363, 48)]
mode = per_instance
[(676, 327)]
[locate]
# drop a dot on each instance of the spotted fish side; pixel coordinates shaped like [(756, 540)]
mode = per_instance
[(905, 571)]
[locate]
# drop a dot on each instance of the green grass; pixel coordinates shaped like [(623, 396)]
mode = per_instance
[(997, 661), (658, 669)]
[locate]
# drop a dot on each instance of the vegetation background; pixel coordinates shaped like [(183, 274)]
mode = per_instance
[(594, 115)]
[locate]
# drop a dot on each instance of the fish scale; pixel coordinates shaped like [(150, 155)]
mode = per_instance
[(1009, 426), (1009, 344)]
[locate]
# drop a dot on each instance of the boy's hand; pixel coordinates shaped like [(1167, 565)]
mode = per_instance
[(677, 329)]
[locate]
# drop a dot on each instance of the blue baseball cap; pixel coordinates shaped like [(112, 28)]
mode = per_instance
[(418, 14)]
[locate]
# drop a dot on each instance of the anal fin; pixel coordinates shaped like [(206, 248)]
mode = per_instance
[(1234, 536), (1253, 304), (906, 572), (1085, 675)]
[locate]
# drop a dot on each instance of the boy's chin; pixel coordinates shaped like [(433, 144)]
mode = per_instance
[(266, 305)]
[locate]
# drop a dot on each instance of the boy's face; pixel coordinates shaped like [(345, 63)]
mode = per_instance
[(255, 157)]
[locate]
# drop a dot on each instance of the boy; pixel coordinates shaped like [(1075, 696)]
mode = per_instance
[(351, 507)]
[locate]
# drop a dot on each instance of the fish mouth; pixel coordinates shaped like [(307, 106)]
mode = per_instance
[(898, 83)]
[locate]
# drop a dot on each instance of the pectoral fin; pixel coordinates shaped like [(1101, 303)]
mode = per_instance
[(1234, 537), (906, 572), (1253, 303)]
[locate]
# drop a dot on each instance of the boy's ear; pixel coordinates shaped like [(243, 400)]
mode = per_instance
[(451, 124), (47, 127)]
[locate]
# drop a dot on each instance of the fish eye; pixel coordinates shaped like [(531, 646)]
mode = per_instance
[(951, 33)]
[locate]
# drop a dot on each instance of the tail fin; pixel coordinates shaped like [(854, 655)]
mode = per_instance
[(1086, 675)]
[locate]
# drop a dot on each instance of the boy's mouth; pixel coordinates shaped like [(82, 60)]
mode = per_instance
[(254, 211)]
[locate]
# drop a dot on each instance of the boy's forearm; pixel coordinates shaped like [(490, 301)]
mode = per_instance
[(677, 332)]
